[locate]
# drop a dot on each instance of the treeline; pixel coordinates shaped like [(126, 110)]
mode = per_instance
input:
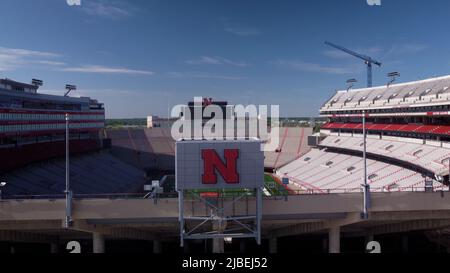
[(141, 122), (133, 122)]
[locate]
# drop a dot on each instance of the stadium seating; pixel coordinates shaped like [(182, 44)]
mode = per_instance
[(411, 128), (94, 173), (322, 171), (154, 147), (15, 157), (133, 147), (424, 92), (292, 143), (428, 157)]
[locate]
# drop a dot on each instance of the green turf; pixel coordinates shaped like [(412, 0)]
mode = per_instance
[(273, 187), (270, 184)]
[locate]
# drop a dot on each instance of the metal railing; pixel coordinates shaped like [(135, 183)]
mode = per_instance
[(227, 194)]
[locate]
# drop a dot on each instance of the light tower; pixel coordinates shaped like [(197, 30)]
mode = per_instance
[(69, 88), (350, 83), (37, 82), (393, 76)]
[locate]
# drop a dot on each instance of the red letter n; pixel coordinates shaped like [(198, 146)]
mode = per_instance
[(212, 162)]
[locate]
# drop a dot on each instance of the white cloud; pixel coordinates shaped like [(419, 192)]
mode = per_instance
[(216, 61), (13, 58), (107, 8), (45, 62), (202, 75), (315, 67), (73, 2), (410, 48), (106, 70)]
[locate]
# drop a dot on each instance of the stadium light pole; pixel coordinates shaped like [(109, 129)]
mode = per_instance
[(2, 184), (366, 187), (68, 192)]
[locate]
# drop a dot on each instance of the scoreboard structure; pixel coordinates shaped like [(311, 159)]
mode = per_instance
[(206, 169)]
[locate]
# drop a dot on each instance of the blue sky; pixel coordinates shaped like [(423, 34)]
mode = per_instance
[(140, 56)]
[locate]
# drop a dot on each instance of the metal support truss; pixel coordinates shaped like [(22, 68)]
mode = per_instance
[(241, 228)]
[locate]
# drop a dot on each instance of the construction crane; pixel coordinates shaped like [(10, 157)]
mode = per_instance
[(367, 60)]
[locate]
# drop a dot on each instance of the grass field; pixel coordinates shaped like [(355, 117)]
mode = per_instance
[(272, 187)]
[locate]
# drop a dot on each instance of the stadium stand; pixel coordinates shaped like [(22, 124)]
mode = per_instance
[(293, 143), (420, 93), (133, 147), (322, 171), (429, 157), (163, 146), (92, 173), (155, 148), (410, 128), (408, 140), (17, 156)]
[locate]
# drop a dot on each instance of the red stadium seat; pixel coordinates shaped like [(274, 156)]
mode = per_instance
[(414, 128)]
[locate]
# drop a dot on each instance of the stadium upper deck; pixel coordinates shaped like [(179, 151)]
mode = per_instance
[(32, 125), (424, 97)]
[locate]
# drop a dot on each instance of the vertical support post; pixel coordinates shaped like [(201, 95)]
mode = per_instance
[(369, 74), (334, 240), (273, 245), (68, 192), (218, 245), (405, 244), (258, 214), (156, 246), (181, 215), (98, 242), (242, 246), (54, 248), (366, 187)]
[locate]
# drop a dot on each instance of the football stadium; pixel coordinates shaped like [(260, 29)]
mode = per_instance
[(225, 130), (123, 180)]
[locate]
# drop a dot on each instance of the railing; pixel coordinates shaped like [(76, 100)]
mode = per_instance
[(374, 190), (227, 194)]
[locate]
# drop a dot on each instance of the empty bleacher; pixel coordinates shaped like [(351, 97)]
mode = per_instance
[(407, 128), (94, 173), (292, 144), (133, 147), (155, 147), (413, 151), (419, 93), (321, 171)]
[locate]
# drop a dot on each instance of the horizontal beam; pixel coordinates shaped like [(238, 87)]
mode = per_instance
[(26, 237)]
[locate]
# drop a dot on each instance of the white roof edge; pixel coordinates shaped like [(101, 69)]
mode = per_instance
[(398, 84)]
